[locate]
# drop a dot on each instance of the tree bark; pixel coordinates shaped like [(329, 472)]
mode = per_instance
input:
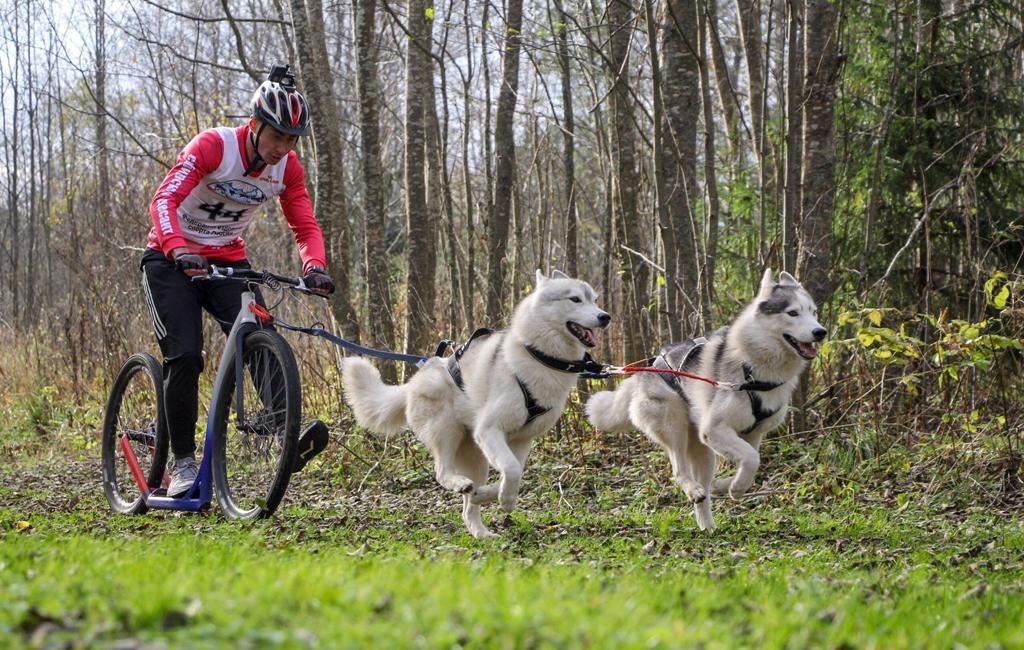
[(707, 272), (794, 135), (378, 278), (723, 82), (504, 165), (678, 162), (821, 70), (753, 46), (568, 145), (469, 280), (331, 210), (421, 327), (12, 167), (629, 232), (102, 150)]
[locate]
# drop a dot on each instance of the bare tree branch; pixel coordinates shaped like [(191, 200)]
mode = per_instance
[(256, 77), (203, 19)]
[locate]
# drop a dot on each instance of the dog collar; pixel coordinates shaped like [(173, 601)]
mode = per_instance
[(586, 364)]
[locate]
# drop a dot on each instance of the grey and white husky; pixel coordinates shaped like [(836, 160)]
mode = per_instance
[(484, 406), (762, 353)]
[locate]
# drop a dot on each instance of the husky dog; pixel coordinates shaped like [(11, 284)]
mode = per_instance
[(484, 405), (762, 353)]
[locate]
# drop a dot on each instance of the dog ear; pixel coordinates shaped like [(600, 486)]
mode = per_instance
[(541, 278), (767, 283), (556, 274), (786, 278)]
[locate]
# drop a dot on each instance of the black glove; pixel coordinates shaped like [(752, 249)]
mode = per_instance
[(191, 264), (318, 281)]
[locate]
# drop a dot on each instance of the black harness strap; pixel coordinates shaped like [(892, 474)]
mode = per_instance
[(478, 334), (456, 372), (692, 356), (673, 383), (453, 361), (533, 409), (751, 386), (749, 383)]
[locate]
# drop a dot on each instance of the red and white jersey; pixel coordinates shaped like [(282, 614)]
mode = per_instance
[(206, 201)]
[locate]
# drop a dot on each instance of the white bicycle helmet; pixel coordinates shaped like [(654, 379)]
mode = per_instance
[(277, 103)]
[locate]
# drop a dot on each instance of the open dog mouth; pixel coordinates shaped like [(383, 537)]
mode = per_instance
[(805, 350), (585, 335)]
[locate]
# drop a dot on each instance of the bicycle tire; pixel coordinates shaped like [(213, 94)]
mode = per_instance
[(135, 408), (252, 460)]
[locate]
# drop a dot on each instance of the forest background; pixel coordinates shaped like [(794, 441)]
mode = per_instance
[(665, 151)]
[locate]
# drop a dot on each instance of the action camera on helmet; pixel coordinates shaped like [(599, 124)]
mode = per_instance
[(282, 74)]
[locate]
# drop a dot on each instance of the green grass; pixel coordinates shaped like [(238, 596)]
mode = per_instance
[(601, 553)]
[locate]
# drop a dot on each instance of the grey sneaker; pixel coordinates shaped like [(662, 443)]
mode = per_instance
[(183, 475)]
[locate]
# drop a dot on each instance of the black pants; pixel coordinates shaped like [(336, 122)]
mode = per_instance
[(176, 305)]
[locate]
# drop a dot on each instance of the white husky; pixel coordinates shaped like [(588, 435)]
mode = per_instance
[(762, 352), (486, 404)]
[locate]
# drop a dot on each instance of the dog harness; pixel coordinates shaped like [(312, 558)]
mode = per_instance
[(533, 409), (453, 361), (753, 387), (750, 385)]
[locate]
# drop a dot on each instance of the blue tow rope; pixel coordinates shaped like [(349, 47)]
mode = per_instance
[(415, 359)]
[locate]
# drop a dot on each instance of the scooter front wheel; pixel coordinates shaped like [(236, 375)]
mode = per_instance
[(254, 449)]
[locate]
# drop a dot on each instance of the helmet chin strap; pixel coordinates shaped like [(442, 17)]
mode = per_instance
[(257, 159)]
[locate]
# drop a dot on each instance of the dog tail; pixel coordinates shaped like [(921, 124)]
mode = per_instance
[(377, 406), (608, 410)]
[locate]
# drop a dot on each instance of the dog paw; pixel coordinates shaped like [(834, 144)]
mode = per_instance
[(507, 504), (696, 494), (708, 526), (720, 487), (483, 533), (739, 487), (702, 513)]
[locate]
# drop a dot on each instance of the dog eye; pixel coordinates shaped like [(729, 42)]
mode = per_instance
[(575, 298), (794, 313)]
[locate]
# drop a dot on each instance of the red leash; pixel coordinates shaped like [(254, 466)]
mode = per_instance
[(669, 371), (631, 368)]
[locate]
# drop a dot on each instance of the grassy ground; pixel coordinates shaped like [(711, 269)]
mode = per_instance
[(367, 551)]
